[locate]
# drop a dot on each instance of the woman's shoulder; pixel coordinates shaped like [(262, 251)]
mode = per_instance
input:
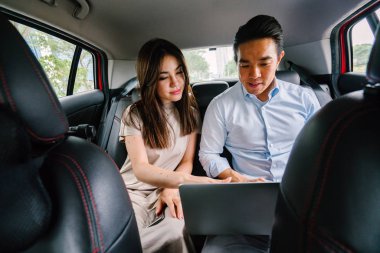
[(131, 113)]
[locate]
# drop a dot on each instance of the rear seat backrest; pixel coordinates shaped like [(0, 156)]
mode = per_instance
[(204, 92), (288, 76)]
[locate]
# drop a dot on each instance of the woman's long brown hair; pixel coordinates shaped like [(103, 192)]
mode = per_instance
[(155, 128)]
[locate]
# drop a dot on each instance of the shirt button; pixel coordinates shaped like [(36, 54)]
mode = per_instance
[(271, 145)]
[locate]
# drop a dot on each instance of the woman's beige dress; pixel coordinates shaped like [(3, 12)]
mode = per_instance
[(169, 235)]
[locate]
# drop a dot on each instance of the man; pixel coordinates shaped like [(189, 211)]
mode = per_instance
[(257, 120)]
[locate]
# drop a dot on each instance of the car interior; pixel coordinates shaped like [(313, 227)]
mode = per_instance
[(60, 114)]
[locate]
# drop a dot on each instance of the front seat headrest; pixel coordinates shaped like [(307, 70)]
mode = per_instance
[(22, 194), (29, 94)]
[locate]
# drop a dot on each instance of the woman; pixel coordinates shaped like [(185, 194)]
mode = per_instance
[(159, 132)]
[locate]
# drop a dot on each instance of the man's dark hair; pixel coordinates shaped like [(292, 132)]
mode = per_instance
[(259, 27)]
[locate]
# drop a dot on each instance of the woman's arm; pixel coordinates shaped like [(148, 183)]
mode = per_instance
[(154, 175), (186, 164), (170, 197)]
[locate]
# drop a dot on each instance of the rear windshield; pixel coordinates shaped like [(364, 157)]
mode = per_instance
[(210, 63)]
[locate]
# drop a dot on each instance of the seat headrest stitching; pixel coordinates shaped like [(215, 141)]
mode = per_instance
[(45, 139), (88, 186), (45, 86), (110, 158), (14, 109), (320, 233), (351, 114), (7, 91), (81, 192)]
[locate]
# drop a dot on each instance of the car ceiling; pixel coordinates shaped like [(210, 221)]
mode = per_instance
[(120, 27)]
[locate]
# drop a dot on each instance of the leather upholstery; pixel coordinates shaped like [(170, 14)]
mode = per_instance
[(115, 148), (204, 92), (288, 76), (58, 193), (28, 92), (329, 195)]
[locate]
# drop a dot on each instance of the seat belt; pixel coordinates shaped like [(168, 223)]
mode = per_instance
[(322, 96), (112, 111), (109, 121)]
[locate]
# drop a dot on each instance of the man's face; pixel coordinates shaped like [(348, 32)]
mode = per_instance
[(257, 62)]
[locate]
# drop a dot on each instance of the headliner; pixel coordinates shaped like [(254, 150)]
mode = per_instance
[(120, 27)]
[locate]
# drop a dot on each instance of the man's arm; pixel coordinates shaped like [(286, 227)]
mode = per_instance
[(312, 104), (214, 134)]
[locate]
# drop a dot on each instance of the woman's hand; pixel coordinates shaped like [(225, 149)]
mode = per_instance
[(170, 197)]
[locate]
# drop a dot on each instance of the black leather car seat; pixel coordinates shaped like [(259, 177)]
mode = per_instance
[(57, 193), (288, 76), (204, 92), (330, 192), (109, 135)]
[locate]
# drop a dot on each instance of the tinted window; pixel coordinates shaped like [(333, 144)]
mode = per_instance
[(210, 63), (56, 57), (362, 41)]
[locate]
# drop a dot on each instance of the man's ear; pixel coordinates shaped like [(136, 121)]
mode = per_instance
[(280, 56)]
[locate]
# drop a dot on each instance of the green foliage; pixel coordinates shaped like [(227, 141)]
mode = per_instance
[(81, 81), (360, 57), (55, 56), (230, 69), (197, 65)]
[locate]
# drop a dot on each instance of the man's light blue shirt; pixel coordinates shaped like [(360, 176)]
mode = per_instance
[(259, 135)]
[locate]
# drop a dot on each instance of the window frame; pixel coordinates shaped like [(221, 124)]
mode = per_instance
[(98, 56), (341, 41)]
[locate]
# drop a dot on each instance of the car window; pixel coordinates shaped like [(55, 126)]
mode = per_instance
[(84, 80), (362, 38), (210, 63), (362, 41), (56, 57)]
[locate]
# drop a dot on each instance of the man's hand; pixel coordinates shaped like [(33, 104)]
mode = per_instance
[(170, 197), (237, 177)]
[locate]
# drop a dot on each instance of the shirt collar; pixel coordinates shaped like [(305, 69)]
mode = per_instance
[(272, 93)]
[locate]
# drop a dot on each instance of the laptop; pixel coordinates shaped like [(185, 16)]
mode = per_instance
[(229, 208)]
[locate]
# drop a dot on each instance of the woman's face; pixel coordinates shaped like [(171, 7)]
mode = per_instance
[(171, 80)]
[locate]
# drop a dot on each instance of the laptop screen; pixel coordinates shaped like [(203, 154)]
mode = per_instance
[(229, 208)]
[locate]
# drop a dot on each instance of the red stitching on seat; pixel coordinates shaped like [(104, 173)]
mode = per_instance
[(91, 197), (47, 139), (331, 249), (353, 114), (111, 159), (83, 201), (7, 91), (14, 109)]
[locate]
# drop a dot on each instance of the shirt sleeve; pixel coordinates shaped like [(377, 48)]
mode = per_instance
[(312, 104), (128, 129), (214, 134)]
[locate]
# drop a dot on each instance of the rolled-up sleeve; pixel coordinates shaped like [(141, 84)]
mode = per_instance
[(214, 134)]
